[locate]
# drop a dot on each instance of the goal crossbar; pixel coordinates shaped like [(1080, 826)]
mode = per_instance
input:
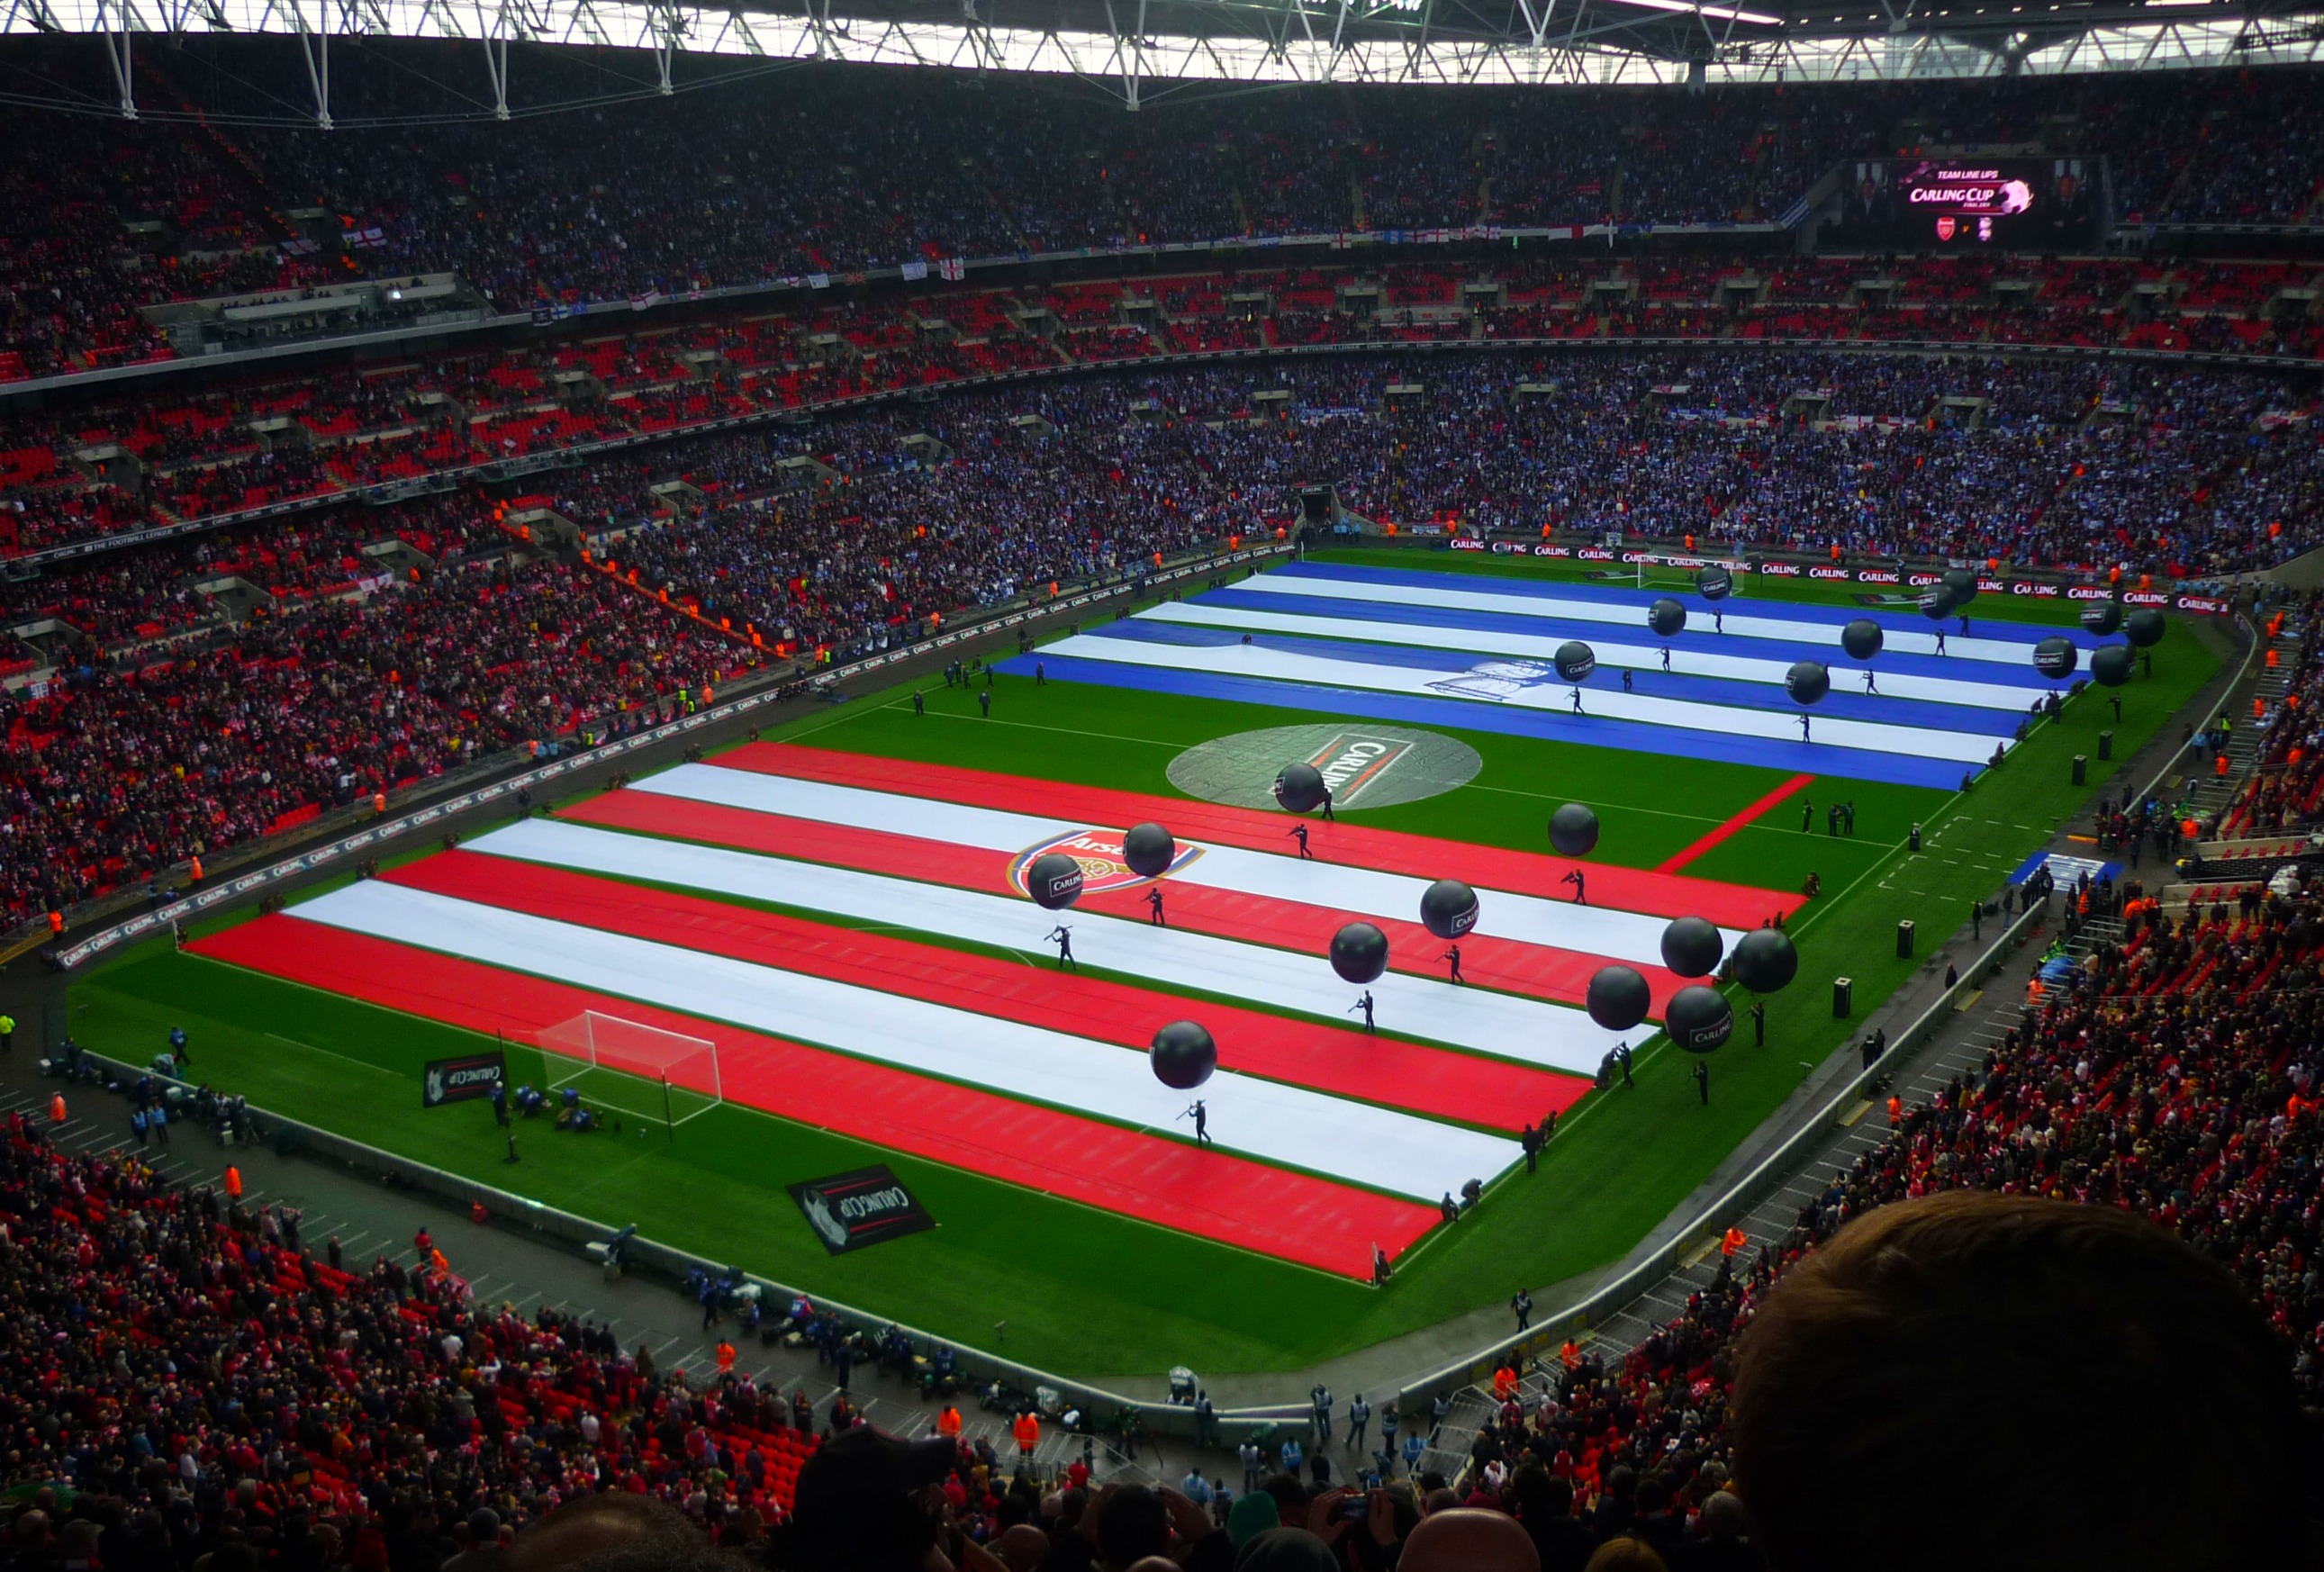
[(646, 1071)]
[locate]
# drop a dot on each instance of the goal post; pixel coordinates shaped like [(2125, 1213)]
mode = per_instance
[(648, 1072), (1661, 576)]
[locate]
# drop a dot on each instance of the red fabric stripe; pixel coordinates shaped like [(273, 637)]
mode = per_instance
[(1492, 1093), (1627, 889), (1176, 1184), (1679, 859), (1535, 971)]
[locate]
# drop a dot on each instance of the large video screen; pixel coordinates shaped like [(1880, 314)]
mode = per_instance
[(1969, 204)]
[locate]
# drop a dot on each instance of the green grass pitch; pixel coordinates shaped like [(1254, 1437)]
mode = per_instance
[(1095, 1295)]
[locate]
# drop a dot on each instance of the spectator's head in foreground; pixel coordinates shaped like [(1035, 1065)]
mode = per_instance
[(1466, 1539), (613, 1533), (860, 1505), (2057, 1386)]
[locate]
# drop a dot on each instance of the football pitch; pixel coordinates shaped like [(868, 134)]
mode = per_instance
[(838, 908)]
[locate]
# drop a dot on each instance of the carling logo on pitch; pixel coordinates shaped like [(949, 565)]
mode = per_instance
[(862, 1207), (1102, 863)]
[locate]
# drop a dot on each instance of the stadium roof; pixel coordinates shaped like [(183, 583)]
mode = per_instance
[(1139, 49)]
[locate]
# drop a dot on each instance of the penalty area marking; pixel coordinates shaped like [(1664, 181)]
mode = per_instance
[(343, 1058), (1061, 730)]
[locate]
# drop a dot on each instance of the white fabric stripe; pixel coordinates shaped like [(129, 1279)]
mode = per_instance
[(1358, 891), (1739, 624), (1894, 685), (1352, 1141), (1502, 1024), (1251, 660)]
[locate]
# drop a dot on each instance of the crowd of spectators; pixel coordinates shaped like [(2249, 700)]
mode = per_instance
[(241, 446), (218, 722), (105, 217), (233, 1392), (598, 191), (887, 519), (228, 1392), (2178, 1083), (180, 697)]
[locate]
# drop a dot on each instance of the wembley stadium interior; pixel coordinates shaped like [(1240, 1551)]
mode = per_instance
[(455, 457)]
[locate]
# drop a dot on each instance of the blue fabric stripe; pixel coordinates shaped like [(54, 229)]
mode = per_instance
[(1462, 714), (1614, 595), (1726, 692), (1697, 638)]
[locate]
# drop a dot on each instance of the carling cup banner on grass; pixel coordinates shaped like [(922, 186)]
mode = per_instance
[(867, 1205), (455, 1080)]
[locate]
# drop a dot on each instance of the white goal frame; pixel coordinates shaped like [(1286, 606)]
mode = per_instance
[(595, 1043)]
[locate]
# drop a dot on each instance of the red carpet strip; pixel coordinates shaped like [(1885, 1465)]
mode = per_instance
[(1274, 1211), (1493, 1093), (1534, 971), (1629, 889), (1718, 837)]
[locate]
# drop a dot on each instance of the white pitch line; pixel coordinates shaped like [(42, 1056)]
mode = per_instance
[(342, 1058)]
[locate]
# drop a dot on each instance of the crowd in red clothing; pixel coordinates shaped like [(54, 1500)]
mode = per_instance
[(121, 766), (2182, 1081)]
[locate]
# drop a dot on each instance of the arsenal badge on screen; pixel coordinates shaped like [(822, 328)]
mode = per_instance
[(866, 1207)]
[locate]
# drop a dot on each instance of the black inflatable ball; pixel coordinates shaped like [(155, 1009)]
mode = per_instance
[(1937, 603), (1149, 850), (1299, 788), (1573, 831), (1862, 638), (1666, 617), (2144, 628), (1807, 682), (1962, 581), (1184, 1055), (2111, 663), (1448, 908), (2102, 617), (1575, 660), (1714, 584), (2056, 657), (1766, 960), (1692, 946), (1360, 953), (1619, 997), (1054, 882), (1699, 1019)]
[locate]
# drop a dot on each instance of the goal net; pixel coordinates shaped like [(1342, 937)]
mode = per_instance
[(628, 1067), (1662, 575)]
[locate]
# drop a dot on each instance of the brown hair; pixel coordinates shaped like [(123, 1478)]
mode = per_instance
[(1997, 1382)]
